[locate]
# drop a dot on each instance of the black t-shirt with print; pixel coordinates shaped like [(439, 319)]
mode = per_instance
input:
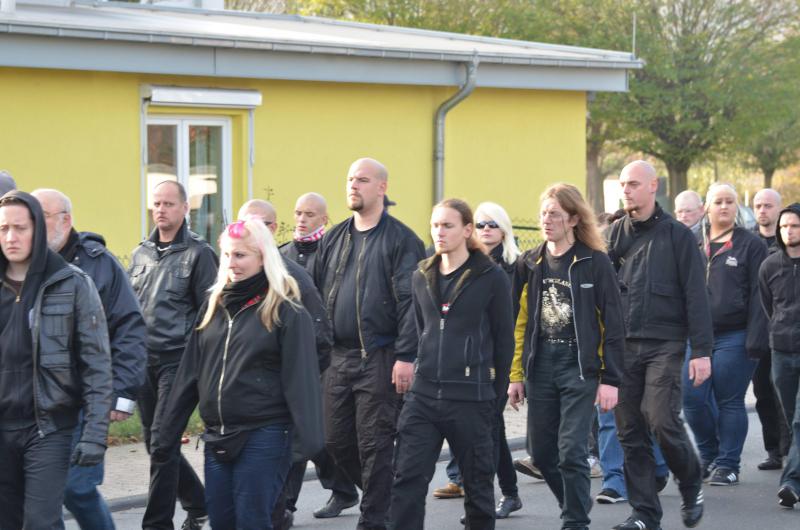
[(556, 321)]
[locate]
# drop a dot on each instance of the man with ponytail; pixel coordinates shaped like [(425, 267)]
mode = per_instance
[(462, 305), (664, 299), (569, 345)]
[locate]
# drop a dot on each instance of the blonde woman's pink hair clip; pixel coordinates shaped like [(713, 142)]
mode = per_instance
[(236, 230)]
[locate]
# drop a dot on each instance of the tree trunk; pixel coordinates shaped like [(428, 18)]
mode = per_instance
[(678, 179), (768, 173), (594, 178)]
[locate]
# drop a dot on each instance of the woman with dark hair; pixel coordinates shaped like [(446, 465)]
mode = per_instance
[(569, 345), (462, 304), (715, 410), (251, 364)]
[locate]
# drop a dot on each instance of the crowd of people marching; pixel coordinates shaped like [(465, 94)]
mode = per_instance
[(362, 351)]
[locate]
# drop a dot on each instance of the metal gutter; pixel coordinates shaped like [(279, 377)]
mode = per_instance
[(439, 123)]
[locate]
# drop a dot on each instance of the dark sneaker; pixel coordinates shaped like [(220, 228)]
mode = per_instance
[(708, 471), (724, 477), (334, 507), (692, 506), (451, 491), (632, 523), (787, 497), (661, 483), (506, 506), (609, 496), (527, 467), (194, 523), (288, 519), (771, 463)]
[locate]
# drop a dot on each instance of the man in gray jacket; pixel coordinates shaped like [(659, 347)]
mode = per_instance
[(54, 364)]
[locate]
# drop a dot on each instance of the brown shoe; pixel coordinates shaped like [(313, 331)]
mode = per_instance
[(451, 491)]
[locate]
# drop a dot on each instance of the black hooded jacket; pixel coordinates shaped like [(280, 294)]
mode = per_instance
[(779, 285), (126, 329), (68, 336), (464, 354)]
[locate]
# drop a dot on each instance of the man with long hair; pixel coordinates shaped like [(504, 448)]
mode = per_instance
[(662, 284), (563, 362)]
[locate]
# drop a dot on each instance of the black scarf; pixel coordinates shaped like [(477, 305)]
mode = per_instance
[(236, 294)]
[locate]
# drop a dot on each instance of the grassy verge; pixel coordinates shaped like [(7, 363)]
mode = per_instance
[(130, 430)]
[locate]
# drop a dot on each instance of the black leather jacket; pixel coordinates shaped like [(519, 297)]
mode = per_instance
[(383, 287), (71, 356), (171, 288)]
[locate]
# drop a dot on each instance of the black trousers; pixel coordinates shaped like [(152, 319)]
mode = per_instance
[(650, 400), (169, 478), (560, 411), (468, 428), (33, 478), (774, 429), (361, 406)]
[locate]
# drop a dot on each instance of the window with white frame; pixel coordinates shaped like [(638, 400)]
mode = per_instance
[(195, 151)]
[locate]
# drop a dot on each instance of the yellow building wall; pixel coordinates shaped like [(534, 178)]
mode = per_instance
[(79, 132)]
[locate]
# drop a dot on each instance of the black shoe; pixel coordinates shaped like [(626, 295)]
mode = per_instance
[(661, 483), (609, 496), (288, 519), (692, 505), (787, 497), (708, 471), (771, 463), (463, 520), (194, 523), (334, 507), (633, 523), (724, 477), (506, 506)]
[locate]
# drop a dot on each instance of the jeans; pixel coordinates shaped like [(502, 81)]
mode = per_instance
[(506, 474), (241, 494), (33, 478), (715, 410), (650, 402), (169, 478), (786, 375), (360, 405), (560, 410), (612, 458), (468, 427), (81, 497)]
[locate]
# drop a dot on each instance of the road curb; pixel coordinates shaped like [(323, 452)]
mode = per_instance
[(121, 504)]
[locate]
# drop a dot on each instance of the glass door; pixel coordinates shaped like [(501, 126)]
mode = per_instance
[(197, 153)]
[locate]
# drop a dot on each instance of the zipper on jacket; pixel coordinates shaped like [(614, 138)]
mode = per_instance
[(224, 364), (358, 304), (574, 319)]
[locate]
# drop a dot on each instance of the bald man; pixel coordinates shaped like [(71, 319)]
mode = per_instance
[(310, 218), (126, 334), (661, 277), (776, 433), (6, 182), (689, 211), (363, 270)]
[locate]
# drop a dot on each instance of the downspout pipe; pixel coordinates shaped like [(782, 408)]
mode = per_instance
[(438, 148)]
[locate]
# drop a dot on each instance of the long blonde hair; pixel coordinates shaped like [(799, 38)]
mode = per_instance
[(281, 287), (571, 200), (497, 213)]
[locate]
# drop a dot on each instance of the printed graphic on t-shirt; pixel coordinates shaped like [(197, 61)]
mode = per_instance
[(556, 308)]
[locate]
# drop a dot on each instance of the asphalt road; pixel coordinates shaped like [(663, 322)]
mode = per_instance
[(751, 505)]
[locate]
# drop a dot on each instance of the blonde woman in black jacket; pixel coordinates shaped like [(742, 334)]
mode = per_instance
[(251, 365), (462, 306)]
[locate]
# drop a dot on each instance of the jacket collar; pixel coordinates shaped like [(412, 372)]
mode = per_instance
[(534, 258), (477, 263), (181, 236)]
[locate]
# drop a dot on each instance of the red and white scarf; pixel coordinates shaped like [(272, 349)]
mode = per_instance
[(316, 235)]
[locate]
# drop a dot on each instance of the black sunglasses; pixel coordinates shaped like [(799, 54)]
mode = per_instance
[(484, 224)]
